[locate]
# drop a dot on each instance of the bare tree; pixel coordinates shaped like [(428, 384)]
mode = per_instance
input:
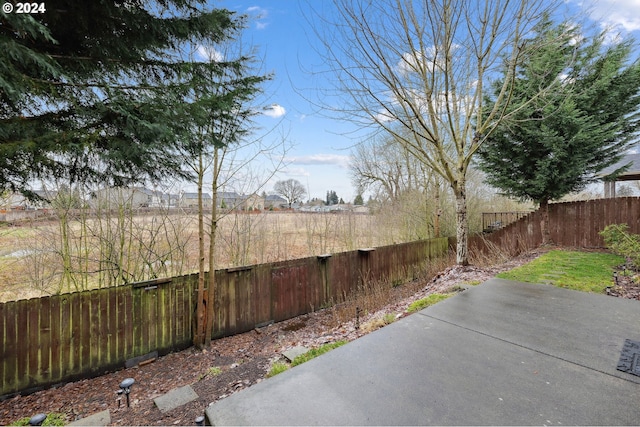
[(291, 189), (385, 168), (417, 70), (226, 95), (223, 147)]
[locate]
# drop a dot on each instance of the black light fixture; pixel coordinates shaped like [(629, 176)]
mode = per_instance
[(200, 420), (125, 385), (119, 398)]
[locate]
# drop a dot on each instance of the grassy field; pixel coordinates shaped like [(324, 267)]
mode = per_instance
[(48, 257)]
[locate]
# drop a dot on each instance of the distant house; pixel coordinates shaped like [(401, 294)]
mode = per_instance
[(190, 200), (234, 201), (253, 202), (228, 200), (273, 201), (134, 197), (16, 201), (170, 199), (360, 209)]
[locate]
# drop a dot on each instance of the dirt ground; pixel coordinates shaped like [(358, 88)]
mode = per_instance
[(239, 361)]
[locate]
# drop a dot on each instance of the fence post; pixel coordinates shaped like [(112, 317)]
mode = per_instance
[(324, 268), (364, 265)]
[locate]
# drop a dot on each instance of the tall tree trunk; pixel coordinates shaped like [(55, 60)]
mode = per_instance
[(544, 222), (462, 226), (212, 245), (201, 303), (438, 210), (211, 285)]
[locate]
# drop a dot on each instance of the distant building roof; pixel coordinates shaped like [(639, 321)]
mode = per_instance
[(46, 194), (144, 190), (631, 174), (228, 195), (205, 196)]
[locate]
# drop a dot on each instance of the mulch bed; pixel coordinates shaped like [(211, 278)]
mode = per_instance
[(627, 283)]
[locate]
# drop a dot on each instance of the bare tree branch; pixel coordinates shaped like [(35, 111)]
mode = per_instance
[(417, 71)]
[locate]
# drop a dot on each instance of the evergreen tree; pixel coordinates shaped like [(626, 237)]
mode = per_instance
[(99, 91), (332, 198), (358, 201), (555, 142), (88, 89)]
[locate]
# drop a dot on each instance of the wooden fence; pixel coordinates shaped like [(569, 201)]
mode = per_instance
[(60, 338), (493, 221), (571, 224)]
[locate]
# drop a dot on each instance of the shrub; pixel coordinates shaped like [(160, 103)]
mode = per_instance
[(621, 242)]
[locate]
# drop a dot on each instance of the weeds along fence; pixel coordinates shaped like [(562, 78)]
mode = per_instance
[(60, 338), (571, 224)]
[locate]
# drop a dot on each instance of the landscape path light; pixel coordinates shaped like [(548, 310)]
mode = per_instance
[(37, 419), (125, 385)]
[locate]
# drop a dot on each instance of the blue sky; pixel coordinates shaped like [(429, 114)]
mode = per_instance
[(284, 40)]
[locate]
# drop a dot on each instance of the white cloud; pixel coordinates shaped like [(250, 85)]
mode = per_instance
[(620, 14), (384, 116), (321, 159), (275, 111), (257, 10), (209, 54), (259, 14), (429, 59), (302, 172)]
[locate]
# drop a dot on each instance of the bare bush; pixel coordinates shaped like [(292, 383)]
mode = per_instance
[(375, 295), (111, 247)]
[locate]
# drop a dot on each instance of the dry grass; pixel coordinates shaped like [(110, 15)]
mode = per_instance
[(376, 295), (149, 246)]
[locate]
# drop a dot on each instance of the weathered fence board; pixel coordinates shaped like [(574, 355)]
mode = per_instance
[(571, 224)]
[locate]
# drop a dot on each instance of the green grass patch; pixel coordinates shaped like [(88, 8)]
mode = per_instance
[(315, 352), (581, 271), (214, 371), (53, 419), (389, 318), (426, 302), (17, 232), (277, 368)]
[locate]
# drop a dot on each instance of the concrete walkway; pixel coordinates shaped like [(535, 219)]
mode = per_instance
[(501, 353)]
